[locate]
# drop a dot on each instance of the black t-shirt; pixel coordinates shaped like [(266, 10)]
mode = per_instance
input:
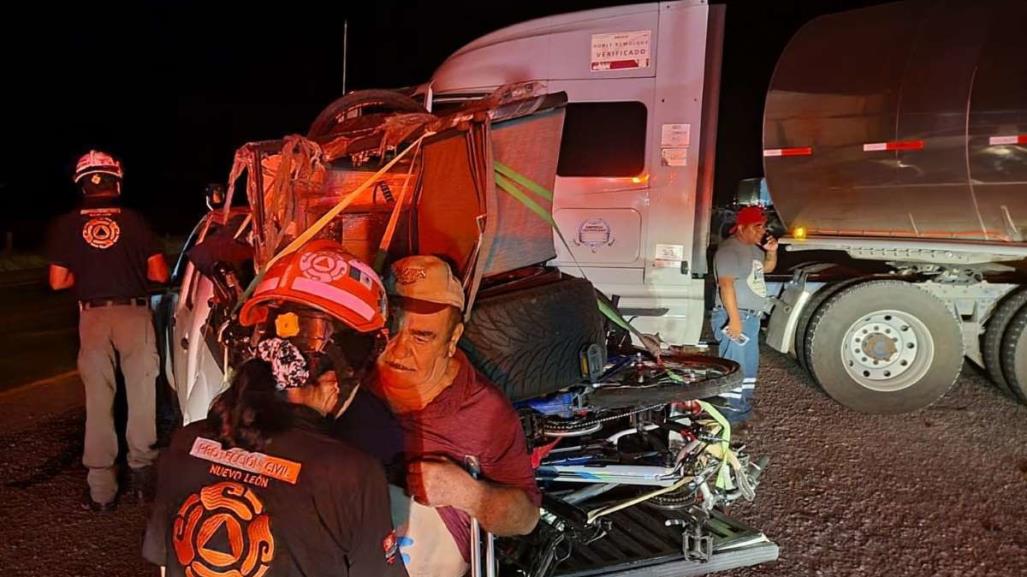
[(106, 247), (308, 505), (369, 425)]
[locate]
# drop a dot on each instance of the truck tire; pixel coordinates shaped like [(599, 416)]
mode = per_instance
[(802, 326), (720, 376), (992, 343), (528, 342), (377, 101), (885, 347), (1014, 355)]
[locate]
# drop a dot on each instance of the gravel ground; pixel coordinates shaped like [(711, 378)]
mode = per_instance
[(938, 492), (43, 531)]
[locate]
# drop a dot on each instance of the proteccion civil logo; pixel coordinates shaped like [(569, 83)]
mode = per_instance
[(223, 530), (322, 265), (101, 232)]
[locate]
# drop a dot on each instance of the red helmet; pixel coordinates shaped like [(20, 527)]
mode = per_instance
[(96, 162), (322, 275)]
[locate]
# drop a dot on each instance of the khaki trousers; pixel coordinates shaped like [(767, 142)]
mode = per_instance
[(127, 331)]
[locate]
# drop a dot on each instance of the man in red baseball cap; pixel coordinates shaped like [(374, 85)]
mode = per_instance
[(446, 415), (741, 301)]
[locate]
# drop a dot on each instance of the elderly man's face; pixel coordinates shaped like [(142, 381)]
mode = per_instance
[(422, 342)]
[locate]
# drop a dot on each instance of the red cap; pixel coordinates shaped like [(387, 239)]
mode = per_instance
[(749, 215)]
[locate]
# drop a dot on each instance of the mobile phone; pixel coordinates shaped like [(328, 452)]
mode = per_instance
[(766, 238), (741, 340)]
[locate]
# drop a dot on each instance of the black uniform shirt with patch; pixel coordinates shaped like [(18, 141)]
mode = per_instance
[(211, 516), (106, 247)]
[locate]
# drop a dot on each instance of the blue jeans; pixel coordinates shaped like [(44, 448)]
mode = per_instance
[(747, 356)]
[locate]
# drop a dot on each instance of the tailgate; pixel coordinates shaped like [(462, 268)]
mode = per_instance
[(640, 543)]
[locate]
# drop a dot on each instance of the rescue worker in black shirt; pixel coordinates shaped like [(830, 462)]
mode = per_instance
[(108, 254), (260, 488)]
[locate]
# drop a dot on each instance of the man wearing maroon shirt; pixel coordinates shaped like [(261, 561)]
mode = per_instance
[(447, 413)]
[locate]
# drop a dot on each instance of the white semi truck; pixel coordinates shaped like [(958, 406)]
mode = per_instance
[(895, 143), (895, 140)]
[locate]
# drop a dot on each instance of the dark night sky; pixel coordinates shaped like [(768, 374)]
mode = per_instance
[(173, 88)]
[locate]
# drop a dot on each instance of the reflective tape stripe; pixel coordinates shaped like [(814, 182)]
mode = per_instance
[(794, 151), (331, 293), (893, 145), (1011, 139)]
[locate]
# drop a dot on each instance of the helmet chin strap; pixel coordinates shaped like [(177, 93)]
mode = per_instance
[(344, 404), (348, 384)]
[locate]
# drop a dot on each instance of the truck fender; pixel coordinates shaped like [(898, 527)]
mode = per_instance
[(788, 307)]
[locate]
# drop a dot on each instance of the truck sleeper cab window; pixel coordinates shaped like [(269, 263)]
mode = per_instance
[(603, 139)]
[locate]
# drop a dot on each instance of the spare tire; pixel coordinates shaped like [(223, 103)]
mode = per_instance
[(529, 341), (361, 103)]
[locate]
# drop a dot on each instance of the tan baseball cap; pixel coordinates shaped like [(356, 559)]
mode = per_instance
[(426, 278)]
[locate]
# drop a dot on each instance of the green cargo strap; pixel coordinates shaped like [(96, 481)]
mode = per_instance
[(523, 181), (508, 179), (511, 189), (249, 291), (723, 473)]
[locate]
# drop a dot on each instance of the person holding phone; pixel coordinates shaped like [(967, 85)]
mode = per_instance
[(739, 266)]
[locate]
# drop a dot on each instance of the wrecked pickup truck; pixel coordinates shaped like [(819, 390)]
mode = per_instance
[(636, 470)]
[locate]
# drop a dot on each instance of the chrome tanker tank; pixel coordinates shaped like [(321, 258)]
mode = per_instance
[(904, 120)]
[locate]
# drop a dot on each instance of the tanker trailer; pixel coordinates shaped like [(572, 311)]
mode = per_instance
[(897, 135)]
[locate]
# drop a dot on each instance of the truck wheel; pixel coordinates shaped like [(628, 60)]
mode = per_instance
[(361, 103), (528, 341), (885, 347), (992, 343), (1014, 355), (802, 326)]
